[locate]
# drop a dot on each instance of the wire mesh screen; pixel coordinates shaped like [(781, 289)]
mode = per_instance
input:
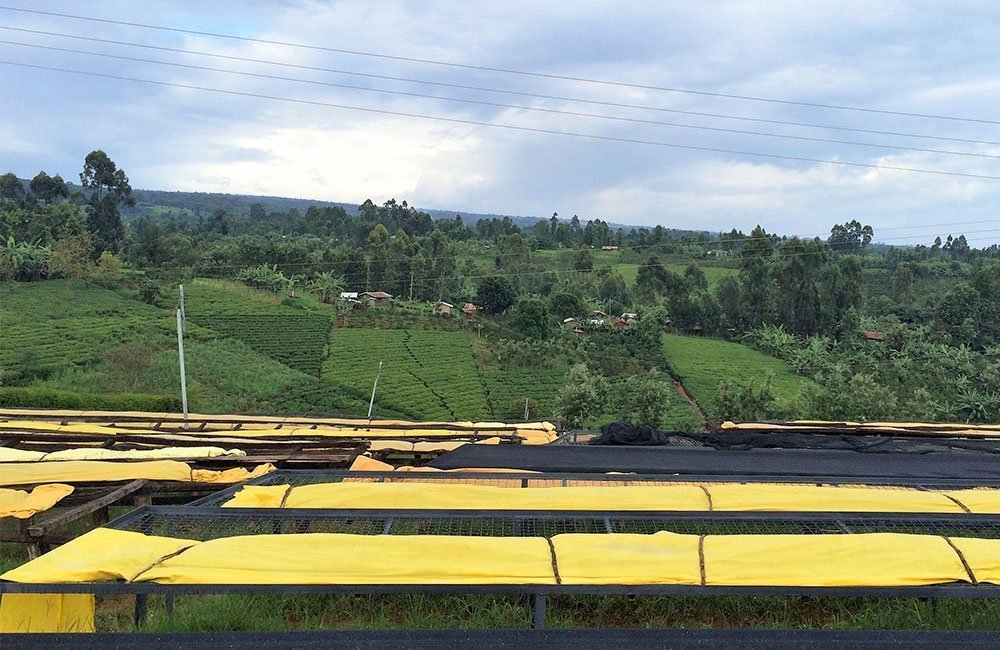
[(204, 524)]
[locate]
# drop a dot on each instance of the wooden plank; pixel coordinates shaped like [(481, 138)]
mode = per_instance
[(43, 527)]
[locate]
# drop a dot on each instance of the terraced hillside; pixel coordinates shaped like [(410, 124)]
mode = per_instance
[(705, 362), (432, 373)]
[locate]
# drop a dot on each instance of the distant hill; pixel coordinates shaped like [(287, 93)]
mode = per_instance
[(163, 203)]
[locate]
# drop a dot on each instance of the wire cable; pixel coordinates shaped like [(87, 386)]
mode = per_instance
[(456, 86), (482, 68), (505, 106), (511, 127)]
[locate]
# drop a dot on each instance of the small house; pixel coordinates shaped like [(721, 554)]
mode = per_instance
[(469, 311), (617, 323), (443, 309), (609, 248), (376, 298), (348, 295), (874, 336), (629, 318), (596, 313)]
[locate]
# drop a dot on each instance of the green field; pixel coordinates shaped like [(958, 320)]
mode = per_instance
[(703, 363)]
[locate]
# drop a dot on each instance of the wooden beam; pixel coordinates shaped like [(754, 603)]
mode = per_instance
[(43, 527)]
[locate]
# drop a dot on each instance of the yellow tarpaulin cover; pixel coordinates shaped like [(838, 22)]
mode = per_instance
[(78, 471), (826, 498), (984, 501), (720, 497), (626, 559), (99, 555), (982, 556), (470, 497), (330, 558), (47, 613), (8, 455), (21, 504), (541, 435), (872, 559)]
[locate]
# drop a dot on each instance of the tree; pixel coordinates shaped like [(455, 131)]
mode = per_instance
[(72, 257), (582, 260), (565, 305), (327, 287), (530, 318), (646, 399), (48, 188), (495, 294), (581, 398), (11, 189), (749, 402), (852, 236), (109, 188), (756, 289), (695, 277)]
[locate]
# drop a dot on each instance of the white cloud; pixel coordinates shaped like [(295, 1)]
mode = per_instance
[(881, 54)]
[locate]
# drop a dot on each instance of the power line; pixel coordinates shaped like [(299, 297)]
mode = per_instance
[(510, 127), (507, 106), (481, 68), (442, 84)]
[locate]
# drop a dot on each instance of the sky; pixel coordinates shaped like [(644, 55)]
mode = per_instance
[(926, 58)]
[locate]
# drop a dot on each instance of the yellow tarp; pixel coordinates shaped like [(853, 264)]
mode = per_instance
[(99, 555), (329, 558), (873, 559), (826, 498), (626, 559), (724, 497), (47, 613), (541, 435), (471, 497), (876, 559), (21, 504), (79, 471), (983, 557), (984, 501), (8, 455)]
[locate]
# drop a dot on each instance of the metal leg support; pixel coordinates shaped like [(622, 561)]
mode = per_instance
[(538, 611), (141, 610)]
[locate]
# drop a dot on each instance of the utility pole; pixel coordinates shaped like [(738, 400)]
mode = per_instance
[(180, 356), (374, 386), (411, 285), (525, 409), (183, 315)]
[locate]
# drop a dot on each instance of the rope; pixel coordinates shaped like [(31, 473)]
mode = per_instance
[(284, 497), (957, 502), (708, 495), (968, 569), (555, 563), (701, 558)]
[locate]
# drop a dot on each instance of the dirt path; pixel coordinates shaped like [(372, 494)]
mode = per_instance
[(690, 400)]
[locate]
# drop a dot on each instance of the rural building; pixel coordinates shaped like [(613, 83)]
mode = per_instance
[(596, 313), (469, 311), (630, 318), (376, 298), (609, 248), (443, 309), (348, 295), (874, 336)]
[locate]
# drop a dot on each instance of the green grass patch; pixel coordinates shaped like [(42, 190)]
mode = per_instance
[(703, 363)]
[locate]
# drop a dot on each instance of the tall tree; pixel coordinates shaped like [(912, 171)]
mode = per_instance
[(109, 188)]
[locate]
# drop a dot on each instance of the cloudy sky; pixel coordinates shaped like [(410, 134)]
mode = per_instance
[(908, 57)]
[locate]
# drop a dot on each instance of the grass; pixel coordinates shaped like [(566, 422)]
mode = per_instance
[(245, 613), (703, 363), (431, 373)]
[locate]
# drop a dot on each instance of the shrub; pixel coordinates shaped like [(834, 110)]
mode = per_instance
[(38, 397)]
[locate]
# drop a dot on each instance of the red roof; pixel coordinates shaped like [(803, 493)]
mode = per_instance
[(875, 336), (377, 294)]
